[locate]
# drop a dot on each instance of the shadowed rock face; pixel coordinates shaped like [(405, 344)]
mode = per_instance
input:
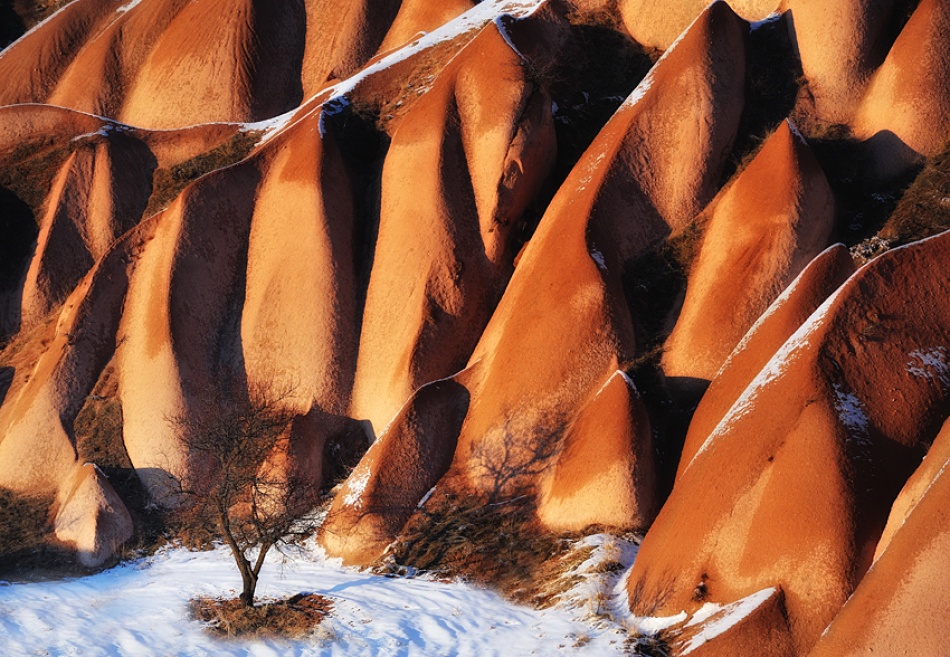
[(899, 606), (816, 440), (440, 247), (475, 148)]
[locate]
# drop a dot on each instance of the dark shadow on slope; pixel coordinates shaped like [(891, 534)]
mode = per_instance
[(18, 232), (12, 26)]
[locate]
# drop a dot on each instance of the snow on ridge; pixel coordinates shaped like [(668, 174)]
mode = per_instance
[(776, 368), (124, 8), (724, 618)]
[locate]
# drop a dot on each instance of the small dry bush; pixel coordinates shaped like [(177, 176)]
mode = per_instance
[(27, 547), (286, 619), (924, 208), (500, 545)]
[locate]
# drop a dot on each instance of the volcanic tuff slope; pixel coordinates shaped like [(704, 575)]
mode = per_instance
[(559, 264)]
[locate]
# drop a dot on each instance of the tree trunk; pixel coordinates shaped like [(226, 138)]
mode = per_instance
[(250, 585)]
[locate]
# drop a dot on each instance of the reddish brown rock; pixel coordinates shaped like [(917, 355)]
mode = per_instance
[(787, 313), (906, 111), (604, 474), (760, 232), (793, 486), (395, 474), (463, 165), (341, 36), (900, 606), (416, 17), (627, 191)]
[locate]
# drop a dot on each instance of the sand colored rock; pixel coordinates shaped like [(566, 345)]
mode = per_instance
[(419, 16), (395, 474), (788, 312), (900, 606), (658, 24), (604, 474), (242, 73), (840, 44), (760, 232), (37, 453), (625, 193), (92, 518), (100, 193), (906, 111), (462, 166), (754, 625), (98, 78), (213, 301), (31, 67), (341, 36), (794, 485)]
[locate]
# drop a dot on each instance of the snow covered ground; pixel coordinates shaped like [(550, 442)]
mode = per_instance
[(140, 609)]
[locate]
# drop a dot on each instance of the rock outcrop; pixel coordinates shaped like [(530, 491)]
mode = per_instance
[(760, 232), (816, 440)]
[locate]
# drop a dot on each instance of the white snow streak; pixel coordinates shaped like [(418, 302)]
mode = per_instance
[(851, 411), (724, 618)]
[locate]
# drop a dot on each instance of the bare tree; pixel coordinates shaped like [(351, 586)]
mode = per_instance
[(237, 490)]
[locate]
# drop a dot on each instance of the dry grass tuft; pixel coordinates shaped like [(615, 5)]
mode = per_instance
[(500, 545), (284, 619), (168, 183)]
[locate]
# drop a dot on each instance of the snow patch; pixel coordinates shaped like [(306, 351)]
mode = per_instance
[(724, 618), (777, 366), (270, 127), (356, 485), (931, 363), (141, 608), (124, 8), (851, 412), (425, 498), (599, 259)]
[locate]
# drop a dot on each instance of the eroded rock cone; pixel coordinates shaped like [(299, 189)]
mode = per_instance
[(840, 44), (900, 607), (786, 314), (906, 111), (462, 166), (521, 399), (793, 487), (760, 232)]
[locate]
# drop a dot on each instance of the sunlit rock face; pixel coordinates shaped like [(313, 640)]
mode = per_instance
[(590, 259)]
